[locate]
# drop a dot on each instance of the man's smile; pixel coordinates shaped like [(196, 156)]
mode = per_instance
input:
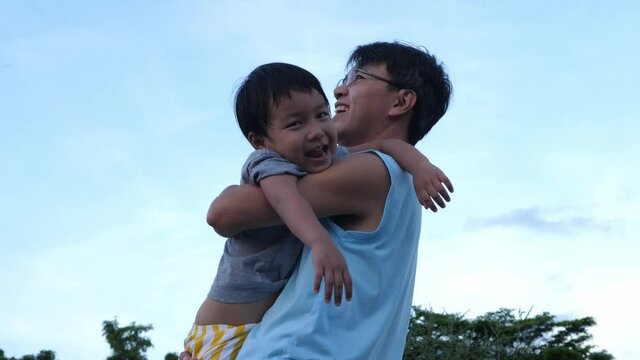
[(341, 107)]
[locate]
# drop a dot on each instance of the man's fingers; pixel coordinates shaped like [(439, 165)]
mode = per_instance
[(435, 196), (443, 192), (445, 180), (328, 286), (186, 356), (439, 200), (427, 203)]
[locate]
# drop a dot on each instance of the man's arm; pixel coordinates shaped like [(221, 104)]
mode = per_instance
[(356, 185), (428, 179)]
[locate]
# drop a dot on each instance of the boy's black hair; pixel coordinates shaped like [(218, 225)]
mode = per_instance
[(416, 69), (264, 88)]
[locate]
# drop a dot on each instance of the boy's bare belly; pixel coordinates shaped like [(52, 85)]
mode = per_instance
[(213, 312)]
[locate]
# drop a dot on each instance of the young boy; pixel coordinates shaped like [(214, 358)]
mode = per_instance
[(283, 112)]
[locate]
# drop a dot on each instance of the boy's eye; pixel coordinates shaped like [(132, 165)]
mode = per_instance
[(323, 114), (294, 123)]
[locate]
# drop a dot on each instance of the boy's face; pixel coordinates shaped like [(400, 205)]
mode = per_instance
[(301, 130)]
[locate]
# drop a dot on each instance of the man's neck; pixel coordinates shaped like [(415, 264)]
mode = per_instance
[(394, 131)]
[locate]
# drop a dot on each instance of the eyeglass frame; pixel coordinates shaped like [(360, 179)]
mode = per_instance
[(344, 80)]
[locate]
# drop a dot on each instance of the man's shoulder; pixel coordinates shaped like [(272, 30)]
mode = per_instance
[(360, 168), (372, 162), (350, 186)]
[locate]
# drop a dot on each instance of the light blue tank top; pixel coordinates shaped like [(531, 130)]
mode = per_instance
[(374, 324)]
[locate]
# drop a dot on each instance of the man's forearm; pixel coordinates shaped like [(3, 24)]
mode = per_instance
[(240, 199), (356, 185)]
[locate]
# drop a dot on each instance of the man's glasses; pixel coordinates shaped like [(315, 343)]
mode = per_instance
[(352, 76)]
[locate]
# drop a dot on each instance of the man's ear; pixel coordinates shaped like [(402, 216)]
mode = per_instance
[(257, 141), (404, 102)]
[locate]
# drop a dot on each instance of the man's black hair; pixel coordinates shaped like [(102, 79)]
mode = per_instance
[(416, 69)]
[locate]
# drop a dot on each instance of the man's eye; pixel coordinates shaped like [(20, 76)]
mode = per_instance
[(358, 77)]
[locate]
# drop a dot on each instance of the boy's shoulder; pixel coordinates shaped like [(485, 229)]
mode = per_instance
[(262, 163)]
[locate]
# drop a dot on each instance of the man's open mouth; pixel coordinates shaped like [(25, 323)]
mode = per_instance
[(340, 108)]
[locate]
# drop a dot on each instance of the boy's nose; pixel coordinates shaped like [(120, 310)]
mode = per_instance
[(315, 132)]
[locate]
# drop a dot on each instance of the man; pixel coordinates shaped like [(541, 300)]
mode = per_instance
[(392, 91)]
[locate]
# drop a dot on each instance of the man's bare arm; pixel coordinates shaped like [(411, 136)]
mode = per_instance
[(356, 185), (429, 181)]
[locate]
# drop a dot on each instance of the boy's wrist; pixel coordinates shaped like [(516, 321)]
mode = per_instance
[(315, 241)]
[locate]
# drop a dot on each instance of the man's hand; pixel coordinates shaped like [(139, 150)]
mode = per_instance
[(428, 183), (329, 262), (186, 356)]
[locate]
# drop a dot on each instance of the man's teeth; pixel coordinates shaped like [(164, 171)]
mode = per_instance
[(341, 108)]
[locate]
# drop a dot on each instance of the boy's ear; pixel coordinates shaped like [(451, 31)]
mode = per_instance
[(404, 102), (257, 141)]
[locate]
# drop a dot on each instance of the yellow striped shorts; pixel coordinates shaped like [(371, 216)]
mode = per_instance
[(216, 342)]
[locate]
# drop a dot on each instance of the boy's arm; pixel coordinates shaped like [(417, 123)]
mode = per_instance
[(356, 185), (281, 191), (427, 178)]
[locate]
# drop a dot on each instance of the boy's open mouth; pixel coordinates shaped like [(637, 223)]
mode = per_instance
[(318, 152)]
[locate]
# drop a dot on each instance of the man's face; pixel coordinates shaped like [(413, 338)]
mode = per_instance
[(301, 131), (363, 103)]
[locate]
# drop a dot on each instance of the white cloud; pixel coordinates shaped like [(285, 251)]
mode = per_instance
[(544, 220)]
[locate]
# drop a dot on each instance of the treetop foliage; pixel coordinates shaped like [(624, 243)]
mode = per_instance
[(503, 334)]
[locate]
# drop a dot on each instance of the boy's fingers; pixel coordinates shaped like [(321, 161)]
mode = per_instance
[(348, 285), (337, 295), (328, 286), (317, 279)]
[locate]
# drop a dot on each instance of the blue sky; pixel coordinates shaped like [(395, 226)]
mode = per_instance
[(117, 130)]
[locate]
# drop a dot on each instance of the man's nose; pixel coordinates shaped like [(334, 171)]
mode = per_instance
[(340, 91)]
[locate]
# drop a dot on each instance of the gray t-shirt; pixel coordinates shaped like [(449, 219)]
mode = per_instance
[(259, 262)]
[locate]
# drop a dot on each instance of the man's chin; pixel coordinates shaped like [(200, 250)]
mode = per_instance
[(341, 116), (339, 120)]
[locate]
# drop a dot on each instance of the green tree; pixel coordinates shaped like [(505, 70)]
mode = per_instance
[(42, 355), (504, 334), (171, 356), (127, 343)]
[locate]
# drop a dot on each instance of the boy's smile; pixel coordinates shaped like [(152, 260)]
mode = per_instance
[(301, 130)]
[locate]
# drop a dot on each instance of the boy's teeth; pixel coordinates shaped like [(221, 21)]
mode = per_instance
[(317, 152)]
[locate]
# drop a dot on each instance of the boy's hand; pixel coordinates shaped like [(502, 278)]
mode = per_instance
[(428, 183), (329, 262)]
